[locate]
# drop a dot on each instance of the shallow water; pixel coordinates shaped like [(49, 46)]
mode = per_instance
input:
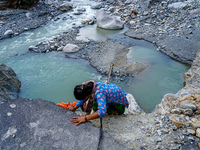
[(52, 77)]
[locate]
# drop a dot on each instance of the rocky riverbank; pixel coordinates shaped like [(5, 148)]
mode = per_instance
[(174, 124)]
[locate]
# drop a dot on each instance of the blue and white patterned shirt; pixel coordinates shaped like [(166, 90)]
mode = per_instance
[(106, 94)]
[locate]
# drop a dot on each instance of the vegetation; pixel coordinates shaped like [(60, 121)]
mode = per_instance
[(25, 4)]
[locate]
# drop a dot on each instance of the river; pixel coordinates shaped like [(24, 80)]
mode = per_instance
[(52, 77)]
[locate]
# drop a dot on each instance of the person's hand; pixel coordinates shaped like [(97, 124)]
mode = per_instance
[(78, 120), (71, 108)]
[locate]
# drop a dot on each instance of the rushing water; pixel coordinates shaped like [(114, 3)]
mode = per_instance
[(52, 77)]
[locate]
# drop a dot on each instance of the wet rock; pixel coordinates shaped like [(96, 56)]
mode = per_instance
[(31, 48), (107, 21), (9, 32), (65, 7), (97, 6), (71, 48), (60, 48), (81, 9)]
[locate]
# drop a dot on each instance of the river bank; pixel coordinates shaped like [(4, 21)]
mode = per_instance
[(156, 130)]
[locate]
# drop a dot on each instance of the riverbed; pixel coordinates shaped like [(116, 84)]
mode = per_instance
[(52, 76)]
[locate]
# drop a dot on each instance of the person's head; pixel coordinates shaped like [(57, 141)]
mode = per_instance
[(82, 91)]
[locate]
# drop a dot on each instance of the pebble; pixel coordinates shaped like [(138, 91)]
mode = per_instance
[(12, 105), (9, 114)]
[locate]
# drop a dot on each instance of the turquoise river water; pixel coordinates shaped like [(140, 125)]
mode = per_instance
[(52, 77)]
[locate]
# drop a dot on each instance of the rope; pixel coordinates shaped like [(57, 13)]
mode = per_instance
[(101, 126)]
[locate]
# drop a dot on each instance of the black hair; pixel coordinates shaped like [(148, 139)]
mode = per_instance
[(81, 91)]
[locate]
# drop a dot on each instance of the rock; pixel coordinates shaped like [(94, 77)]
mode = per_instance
[(107, 21), (195, 12), (181, 137), (9, 83), (176, 122), (40, 124), (189, 106), (133, 108), (31, 48), (60, 48), (198, 132), (97, 6), (77, 13), (191, 131), (71, 48), (187, 112), (195, 124), (81, 9), (177, 5), (176, 111), (9, 32), (65, 7)]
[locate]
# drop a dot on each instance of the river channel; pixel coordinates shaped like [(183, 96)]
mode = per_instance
[(52, 77)]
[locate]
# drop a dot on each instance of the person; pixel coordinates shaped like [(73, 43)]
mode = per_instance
[(101, 97)]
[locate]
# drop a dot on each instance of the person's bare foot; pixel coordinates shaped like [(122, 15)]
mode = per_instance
[(115, 112)]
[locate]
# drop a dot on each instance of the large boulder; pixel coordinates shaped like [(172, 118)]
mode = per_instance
[(9, 83), (38, 124), (106, 21), (71, 48)]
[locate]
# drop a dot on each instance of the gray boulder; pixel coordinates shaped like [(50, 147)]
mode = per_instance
[(9, 83), (38, 124), (71, 48), (106, 21)]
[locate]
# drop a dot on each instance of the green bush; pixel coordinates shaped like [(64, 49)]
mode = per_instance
[(21, 3)]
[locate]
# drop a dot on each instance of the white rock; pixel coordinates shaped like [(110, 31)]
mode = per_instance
[(133, 108), (12, 105), (71, 48), (107, 21), (9, 114), (9, 32), (32, 47), (60, 48), (177, 5)]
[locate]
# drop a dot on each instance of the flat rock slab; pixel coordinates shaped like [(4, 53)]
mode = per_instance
[(39, 124)]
